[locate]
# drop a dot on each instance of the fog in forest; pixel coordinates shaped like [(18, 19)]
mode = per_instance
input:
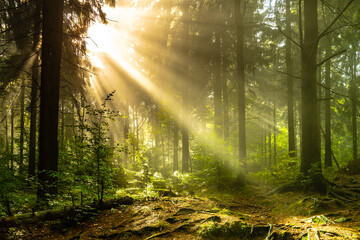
[(106, 100)]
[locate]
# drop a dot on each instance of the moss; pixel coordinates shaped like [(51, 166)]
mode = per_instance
[(305, 207), (210, 229), (228, 212), (160, 225)]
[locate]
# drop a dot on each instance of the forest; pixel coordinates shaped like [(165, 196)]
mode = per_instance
[(179, 119)]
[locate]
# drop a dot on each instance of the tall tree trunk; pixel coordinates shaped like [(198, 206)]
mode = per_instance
[(22, 128), (6, 140), (310, 151), (185, 133), (319, 102), (217, 88), (176, 147), (62, 115), (185, 89), (34, 91), (290, 85), (327, 161), (33, 118), (156, 132), (126, 134), (225, 93), (239, 22), (270, 150), (275, 144), (52, 35), (263, 143), (353, 94), (12, 135), (310, 134)]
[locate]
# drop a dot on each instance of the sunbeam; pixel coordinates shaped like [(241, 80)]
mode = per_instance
[(138, 63)]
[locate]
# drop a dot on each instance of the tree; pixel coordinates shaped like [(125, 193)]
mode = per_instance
[(239, 22), (52, 35), (354, 102), (290, 85), (34, 91), (310, 151), (185, 88), (328, 150)]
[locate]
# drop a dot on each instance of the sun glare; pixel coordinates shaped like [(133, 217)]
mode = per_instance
[(112, 49), (111, 38)]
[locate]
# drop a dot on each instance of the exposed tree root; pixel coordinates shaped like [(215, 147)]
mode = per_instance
[(343, 193)]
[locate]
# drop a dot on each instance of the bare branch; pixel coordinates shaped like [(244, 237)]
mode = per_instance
[(330, 57), (288, 74), (325, 99), (3, 51), (334, 21), (288, 37), (339, 94), (79, 67), (348, 25)]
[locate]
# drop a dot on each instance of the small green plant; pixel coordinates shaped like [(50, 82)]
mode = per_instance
[(210, 229), (286, 170), (13, 198), (87, 161)]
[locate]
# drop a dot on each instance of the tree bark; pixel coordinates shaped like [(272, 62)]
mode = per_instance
[(239, 22), (185, 89), (217, 88), (34, 92), (12, 134), (327, 161), (353, 94), (310, 151), (270, 150), (126, 134), (290, 85), (156, 132), (225, 93), (22, 128), (52, 36), (176, 146), (274, 127), (62, 116), (33, 118), (6, 140)]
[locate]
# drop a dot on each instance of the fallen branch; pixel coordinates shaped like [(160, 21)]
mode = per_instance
[(53, 214)]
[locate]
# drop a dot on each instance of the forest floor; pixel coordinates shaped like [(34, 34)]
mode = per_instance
[(249, 214)]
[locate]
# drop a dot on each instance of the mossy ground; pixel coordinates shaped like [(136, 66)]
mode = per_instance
[(248, 214)]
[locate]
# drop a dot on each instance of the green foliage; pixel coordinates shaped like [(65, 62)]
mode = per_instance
[(13, 198), (143, 184), (211, 170), (87, 167), (286, 170)]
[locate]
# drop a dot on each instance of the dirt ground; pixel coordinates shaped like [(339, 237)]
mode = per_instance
[(249, 214)]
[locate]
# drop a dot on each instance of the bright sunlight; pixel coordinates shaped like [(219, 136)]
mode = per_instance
[(179, 119), (112, 49)]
